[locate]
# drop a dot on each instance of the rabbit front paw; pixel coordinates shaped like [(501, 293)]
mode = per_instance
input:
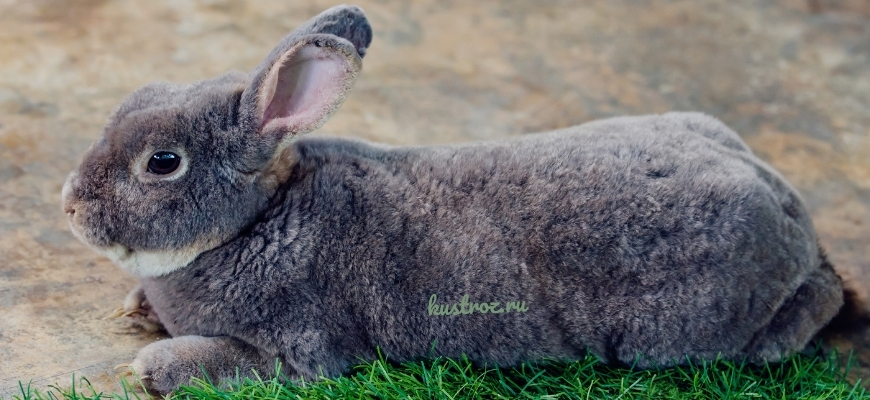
[(163, 366), (159, 369), (140, 312)]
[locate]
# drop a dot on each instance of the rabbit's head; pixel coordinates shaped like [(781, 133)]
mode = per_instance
[(181, 169)]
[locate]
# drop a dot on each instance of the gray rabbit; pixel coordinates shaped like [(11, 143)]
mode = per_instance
[(646, 240)]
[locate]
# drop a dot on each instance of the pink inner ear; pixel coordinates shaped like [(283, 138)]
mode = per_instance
[(302, 89)]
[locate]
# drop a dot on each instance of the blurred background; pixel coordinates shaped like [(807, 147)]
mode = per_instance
[(791, 76)]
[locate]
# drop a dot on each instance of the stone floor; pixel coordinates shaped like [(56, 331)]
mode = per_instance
[(792, 76)]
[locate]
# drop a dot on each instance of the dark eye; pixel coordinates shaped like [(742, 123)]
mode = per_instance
[(163, 162)]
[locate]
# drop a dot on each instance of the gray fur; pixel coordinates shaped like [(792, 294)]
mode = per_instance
[(658, 236)]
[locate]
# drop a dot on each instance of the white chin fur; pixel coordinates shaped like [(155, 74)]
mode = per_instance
[(145, 264)]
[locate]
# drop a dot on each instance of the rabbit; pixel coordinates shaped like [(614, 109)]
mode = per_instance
[(648, 241)]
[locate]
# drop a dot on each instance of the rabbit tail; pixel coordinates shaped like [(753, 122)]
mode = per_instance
[(853, 317)]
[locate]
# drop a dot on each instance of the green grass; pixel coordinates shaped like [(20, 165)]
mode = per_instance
[(799, 377)]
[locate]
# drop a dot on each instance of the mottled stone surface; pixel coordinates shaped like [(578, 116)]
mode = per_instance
[(792, 76)]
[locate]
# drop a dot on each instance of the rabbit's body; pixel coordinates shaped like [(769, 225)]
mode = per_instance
[(658, 237), (661, 236)]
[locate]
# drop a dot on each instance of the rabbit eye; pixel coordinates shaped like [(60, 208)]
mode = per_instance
[(163, 162)]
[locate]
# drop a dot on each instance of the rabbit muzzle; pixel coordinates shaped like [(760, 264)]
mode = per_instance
[(84, 222), (74, 208)]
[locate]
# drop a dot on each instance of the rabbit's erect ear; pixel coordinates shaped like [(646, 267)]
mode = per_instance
[(297, 88)]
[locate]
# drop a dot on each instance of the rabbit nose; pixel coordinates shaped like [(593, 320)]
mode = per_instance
[(65, 194)]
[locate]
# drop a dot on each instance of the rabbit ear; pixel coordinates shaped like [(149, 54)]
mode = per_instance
[(347, 22), (297, 88)]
